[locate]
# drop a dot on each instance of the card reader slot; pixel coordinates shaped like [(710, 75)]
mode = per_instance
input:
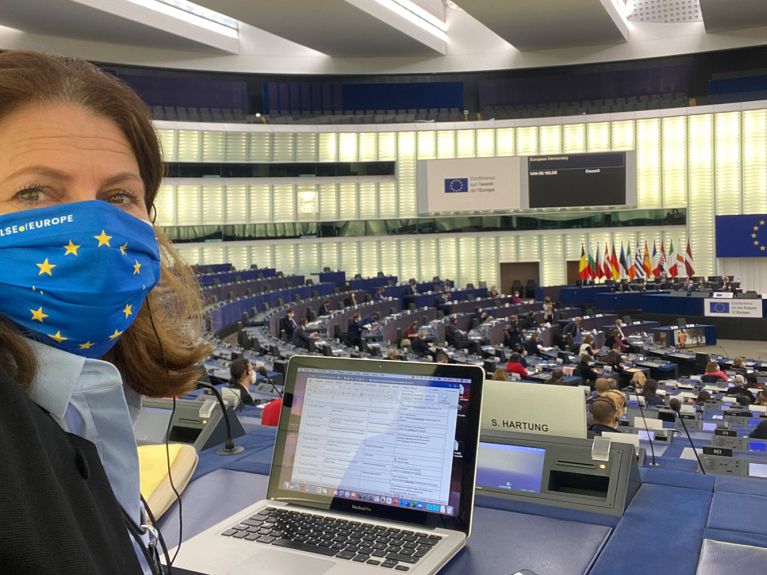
[(579, 483)]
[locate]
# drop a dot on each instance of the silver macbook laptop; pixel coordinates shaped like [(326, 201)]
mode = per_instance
[(373, 471)]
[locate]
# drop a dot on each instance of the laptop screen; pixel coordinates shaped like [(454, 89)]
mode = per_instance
[(391, 439)]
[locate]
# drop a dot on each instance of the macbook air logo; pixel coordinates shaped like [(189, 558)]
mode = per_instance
[(361, 508)]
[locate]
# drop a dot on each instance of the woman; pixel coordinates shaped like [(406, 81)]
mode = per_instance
[(650, 393), (500, 374), (637, 381), (97, 310), (712, 369), (548, 310), (514, 365), (586, 346)]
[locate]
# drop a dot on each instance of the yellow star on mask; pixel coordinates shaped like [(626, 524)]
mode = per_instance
[(115, 335), (71, 248), (128, 311), (123, 248), (38, 314), (87, 345), (136, 268), (57, 336), (45, 268), (103, 239)]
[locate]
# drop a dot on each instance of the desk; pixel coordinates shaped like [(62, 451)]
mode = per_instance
[(369, 284), (509, 535), (337, 278), (694, 333)]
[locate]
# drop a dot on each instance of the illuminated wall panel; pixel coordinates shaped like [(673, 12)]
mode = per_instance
[(237, 210), (368, 194), (368, 147), (552, 269), (467, 255), (189, 149), (328, 148), (285, 257), (189, 211), (755, 161), (507, 248), (237, 255), (211, 254), (262, 254), (529, 248), (306, 147), (505, 142), (165, 205), (674, 166), (191, 255), (406, 174), (448, 257), (328, 202), (648, 163), (598, 137), (550, 139), (349, 258), (283, 203), (260, 147), (387, 199), (283, 147), (445, 144), (728, 162), (488, 260), (427, 258), (465, 144), (485, 142), (347, 198), (408, 260), (347, 147), (213, 204), (237, 149), (308, 258), (389, 257), (213, 146), (527, 141), (369, 260), (700, 209), (622, 135), (427, 144), (260, 203), (168, 143), (573, 242), (387, 146), (574, 138), (329, 256)]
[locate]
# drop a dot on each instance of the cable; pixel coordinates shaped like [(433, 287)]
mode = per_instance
[(167, 446), (653, 463)]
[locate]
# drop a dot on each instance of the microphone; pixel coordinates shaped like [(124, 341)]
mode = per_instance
[(653, 463), (261, 370), (675, 406), (229, 447)]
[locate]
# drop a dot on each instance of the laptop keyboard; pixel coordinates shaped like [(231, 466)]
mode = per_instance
[(396, 549)]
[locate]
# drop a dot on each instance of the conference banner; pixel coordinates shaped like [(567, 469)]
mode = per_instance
[(468, 184), (741, 236), (732, 307)]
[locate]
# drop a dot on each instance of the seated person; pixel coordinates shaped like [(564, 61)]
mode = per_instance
[(311, 315), (350, 299), (619, 399), (411, 330), (241, 377), (288, 324), (557, 378), (604, 417), (372, 322), (379, 295), (419, 345), (650, 393), (354, 331), (393, 354), (761, 398), (529, 321), (500, 374), (300, 336), (512, 336), (454, 336), (324, 308), (493, 292), (583, 370), (441, 357), (712, 369), (739, 364), (637, 381), (514, 365), (515, 299), (586, 346), (740, 389), (703, 397), (532, 345), (613, 361), (573, 329), (548, 310), (602, 386)]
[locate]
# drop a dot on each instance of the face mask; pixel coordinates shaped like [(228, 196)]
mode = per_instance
[(75, 275)]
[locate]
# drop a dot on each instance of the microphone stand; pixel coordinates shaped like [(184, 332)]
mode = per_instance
[(229, 447), (653, 463), (676, 407)]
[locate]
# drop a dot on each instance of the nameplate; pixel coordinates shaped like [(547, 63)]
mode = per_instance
[(726, 432), (720, 451)]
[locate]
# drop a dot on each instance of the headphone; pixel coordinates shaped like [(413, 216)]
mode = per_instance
[(615, 409)]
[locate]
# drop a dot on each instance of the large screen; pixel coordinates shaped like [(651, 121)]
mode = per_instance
[(578, 180)]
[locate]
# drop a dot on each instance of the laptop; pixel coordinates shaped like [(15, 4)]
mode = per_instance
[(373, 471)]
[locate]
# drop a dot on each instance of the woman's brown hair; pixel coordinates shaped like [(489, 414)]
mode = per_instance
[(159, 354)]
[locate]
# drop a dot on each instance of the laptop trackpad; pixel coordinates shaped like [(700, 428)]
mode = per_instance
[(276, 562)]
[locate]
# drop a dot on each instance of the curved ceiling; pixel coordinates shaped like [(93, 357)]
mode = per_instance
[(381, 36)]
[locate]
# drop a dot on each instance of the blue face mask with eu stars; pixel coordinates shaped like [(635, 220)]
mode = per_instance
[(74, 276)]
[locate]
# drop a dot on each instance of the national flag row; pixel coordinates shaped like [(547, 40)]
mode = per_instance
[(616, 266)]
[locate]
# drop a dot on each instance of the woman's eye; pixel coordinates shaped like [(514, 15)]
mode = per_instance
[(121, 197), (30, 194)]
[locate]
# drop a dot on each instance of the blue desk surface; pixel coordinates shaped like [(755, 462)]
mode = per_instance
[(675, 509)]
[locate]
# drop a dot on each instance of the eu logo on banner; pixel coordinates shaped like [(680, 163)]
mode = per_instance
[(453, 185), (719, 307), (741, 236)]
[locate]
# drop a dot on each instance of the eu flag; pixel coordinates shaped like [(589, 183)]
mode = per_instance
[(719, 307), (741, 236), (453, 185)]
